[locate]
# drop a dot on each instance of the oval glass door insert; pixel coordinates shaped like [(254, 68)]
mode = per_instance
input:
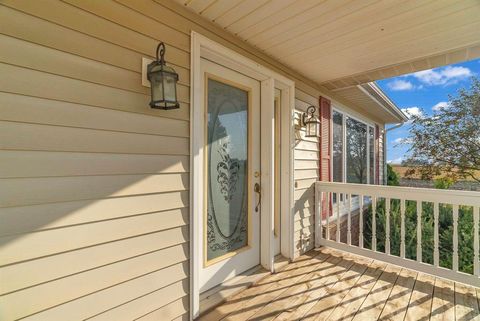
[(227, 170)]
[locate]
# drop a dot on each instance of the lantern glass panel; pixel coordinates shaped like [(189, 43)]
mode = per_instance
[(169, 81), (310, 130), (157, 86), (312, 127)]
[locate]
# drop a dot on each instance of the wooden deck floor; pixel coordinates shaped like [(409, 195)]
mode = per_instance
[(331, 285)]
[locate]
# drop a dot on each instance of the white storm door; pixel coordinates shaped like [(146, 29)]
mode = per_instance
[(230, 229)]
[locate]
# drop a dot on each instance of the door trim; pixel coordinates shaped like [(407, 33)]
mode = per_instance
[(202, 47)]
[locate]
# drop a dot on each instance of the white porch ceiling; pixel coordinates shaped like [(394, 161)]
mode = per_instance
[(341, 43)]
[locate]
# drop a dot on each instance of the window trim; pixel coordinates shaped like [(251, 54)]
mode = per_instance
[(369, 124)]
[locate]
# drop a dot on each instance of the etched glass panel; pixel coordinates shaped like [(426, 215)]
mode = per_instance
[(227, 166)]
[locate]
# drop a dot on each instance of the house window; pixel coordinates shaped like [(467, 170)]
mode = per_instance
[(356, 143), (371, 154), (337, 154), (353, 150)]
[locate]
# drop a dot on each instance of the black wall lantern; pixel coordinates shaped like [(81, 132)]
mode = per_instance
[(163, 82), (311, 122)]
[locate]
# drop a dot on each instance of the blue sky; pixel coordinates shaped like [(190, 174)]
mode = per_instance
[(426, 90)]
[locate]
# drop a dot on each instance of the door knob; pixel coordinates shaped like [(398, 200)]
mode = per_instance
[(256, 188)]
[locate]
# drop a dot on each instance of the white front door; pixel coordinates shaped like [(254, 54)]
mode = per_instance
[(230, 231)]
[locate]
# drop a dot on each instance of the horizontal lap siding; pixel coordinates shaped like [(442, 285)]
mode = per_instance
[(306, 172), (93, 183)]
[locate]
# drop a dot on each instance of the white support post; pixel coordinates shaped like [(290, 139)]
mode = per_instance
[(387, 226), (267, 149), (360, 222), (436, 253), (455, 238), (338, 217), (476, 263), (402, 228), (374, 223), (327, 199), (349, 220), (419, 231), (318, 216)]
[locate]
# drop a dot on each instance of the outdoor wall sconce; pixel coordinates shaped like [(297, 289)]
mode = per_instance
[(311, 122), (163, 82)]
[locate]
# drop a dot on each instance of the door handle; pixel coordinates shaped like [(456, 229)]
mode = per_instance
[(256, 188)]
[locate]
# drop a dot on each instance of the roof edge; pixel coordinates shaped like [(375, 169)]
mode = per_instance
[(376, 93)]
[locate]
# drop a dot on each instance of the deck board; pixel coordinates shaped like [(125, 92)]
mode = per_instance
[(421, 300), (397, 303), (443, 304), (325, 304), (372, 307), (466, 303), (326, 284), (315, 284)]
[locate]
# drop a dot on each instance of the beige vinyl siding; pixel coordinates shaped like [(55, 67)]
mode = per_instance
[(93, 183), (306, 172)]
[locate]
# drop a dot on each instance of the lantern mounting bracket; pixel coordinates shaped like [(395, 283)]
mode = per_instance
[(161, 52), (311, 122), (309, 113)]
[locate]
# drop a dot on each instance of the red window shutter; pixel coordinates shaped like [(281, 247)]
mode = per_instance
[(377, 154), (325, 147)]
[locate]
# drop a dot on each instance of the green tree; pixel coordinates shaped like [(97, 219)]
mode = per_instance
[(392, 176), (448, 142)]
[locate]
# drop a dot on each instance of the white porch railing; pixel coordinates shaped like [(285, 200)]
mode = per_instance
[(397, 224)]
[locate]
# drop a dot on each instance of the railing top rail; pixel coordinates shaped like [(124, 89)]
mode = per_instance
[(469, 198)]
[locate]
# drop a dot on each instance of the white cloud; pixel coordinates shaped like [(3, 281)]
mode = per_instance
[(442, 76), (412, 111), (396, 161), (441, 105), (399, 85), (402, 141)]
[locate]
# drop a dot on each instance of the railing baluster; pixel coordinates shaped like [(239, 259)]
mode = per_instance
[(419, 231), (387, 225), (436, 253), (476, 218), (338, 217), (349, 232), (374, 223), (402, 228), (455, 238), (360, 223), (327, 199)]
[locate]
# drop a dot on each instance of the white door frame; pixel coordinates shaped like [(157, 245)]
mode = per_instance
[(203, 47)]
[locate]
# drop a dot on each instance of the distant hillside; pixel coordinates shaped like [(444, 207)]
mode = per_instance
[(400, 169), (467, 184)]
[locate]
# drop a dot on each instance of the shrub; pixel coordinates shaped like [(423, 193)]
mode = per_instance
[(443, 183), (445, 220), (392, 176)]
